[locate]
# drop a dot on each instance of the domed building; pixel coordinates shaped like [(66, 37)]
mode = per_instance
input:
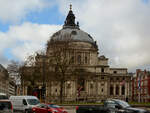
[(78, 72)]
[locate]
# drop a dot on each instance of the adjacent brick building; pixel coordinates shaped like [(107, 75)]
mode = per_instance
[(141, 86)]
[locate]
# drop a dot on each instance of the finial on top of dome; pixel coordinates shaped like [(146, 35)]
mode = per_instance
[(70, 20), (70, 6)]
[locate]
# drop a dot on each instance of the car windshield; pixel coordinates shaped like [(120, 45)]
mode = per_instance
[(123, 103), (53, 106), (33, 101)]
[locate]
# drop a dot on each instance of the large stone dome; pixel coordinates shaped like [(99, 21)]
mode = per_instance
[(74, 33), (72, 30)]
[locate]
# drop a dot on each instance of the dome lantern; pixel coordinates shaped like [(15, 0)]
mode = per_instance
[(70, 20)]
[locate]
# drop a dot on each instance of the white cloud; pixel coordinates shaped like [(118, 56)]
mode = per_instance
[(121, 28), (15, 10), (25, 39)]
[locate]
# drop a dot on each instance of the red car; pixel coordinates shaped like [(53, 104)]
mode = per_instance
[(58, 108), (48, 108)]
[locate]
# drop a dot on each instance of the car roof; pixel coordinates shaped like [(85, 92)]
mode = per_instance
[(23, 97)]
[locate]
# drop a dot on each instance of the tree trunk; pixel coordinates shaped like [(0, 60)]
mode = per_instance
[(61, 90)]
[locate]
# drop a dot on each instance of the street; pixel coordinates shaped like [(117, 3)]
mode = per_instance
[(71, 109)]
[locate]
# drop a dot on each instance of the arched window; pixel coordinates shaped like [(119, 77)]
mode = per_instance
[(111, 90), (86, 60), (79, 59), (123, 90), (81, 84), (102, 70), (72, 60), (117, 90)]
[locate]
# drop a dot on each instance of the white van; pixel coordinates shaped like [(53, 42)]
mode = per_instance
[(24, 103)]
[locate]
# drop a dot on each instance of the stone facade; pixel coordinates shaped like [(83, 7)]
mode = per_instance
[(4, 81), (7, 85), (96, 80)]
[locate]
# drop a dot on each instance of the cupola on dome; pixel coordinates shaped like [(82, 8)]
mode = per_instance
[(72, 29)]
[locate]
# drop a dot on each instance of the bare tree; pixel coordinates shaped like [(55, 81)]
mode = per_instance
[(55, 63), (30, 73), (59, 59)]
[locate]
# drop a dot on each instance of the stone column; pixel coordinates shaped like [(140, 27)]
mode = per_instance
[(120, 92), (114, 89), (126, 89)]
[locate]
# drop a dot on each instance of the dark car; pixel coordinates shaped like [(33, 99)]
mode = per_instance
[(6, 106), (110, 106), (121, 106)]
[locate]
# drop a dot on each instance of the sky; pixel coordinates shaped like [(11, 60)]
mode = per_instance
[(120, 27)]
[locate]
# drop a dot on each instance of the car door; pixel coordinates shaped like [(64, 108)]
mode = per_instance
[(43, 109)]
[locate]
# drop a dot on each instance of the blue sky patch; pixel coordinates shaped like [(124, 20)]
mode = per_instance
[(4, 27), (8, 54), (145, 1), (46, 16)]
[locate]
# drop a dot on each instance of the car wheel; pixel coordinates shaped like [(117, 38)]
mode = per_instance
[(49, 112), (26, 111)]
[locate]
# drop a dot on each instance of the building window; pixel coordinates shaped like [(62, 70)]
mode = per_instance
[(123, 90), (79, 59), (117, 78), (123, 78), (102, 70), (111, 79), (56, 69), (86, 60), (102, 84), (102, 78), (111, 90), (117, 90), (115, 72), (91, 85), (72, 60), (102, 90), (81, 85)]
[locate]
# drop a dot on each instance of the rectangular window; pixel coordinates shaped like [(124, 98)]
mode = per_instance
[(102, 78), (102, 70), (115, 72)]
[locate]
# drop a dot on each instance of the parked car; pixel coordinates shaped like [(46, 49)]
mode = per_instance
[(24, 103), (48, 108), (110, 106), (3, 96), (58, 108), (6, 106), (42, 108)]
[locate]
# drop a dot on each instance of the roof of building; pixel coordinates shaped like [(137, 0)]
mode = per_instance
[(72, 30), (2, 68)]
